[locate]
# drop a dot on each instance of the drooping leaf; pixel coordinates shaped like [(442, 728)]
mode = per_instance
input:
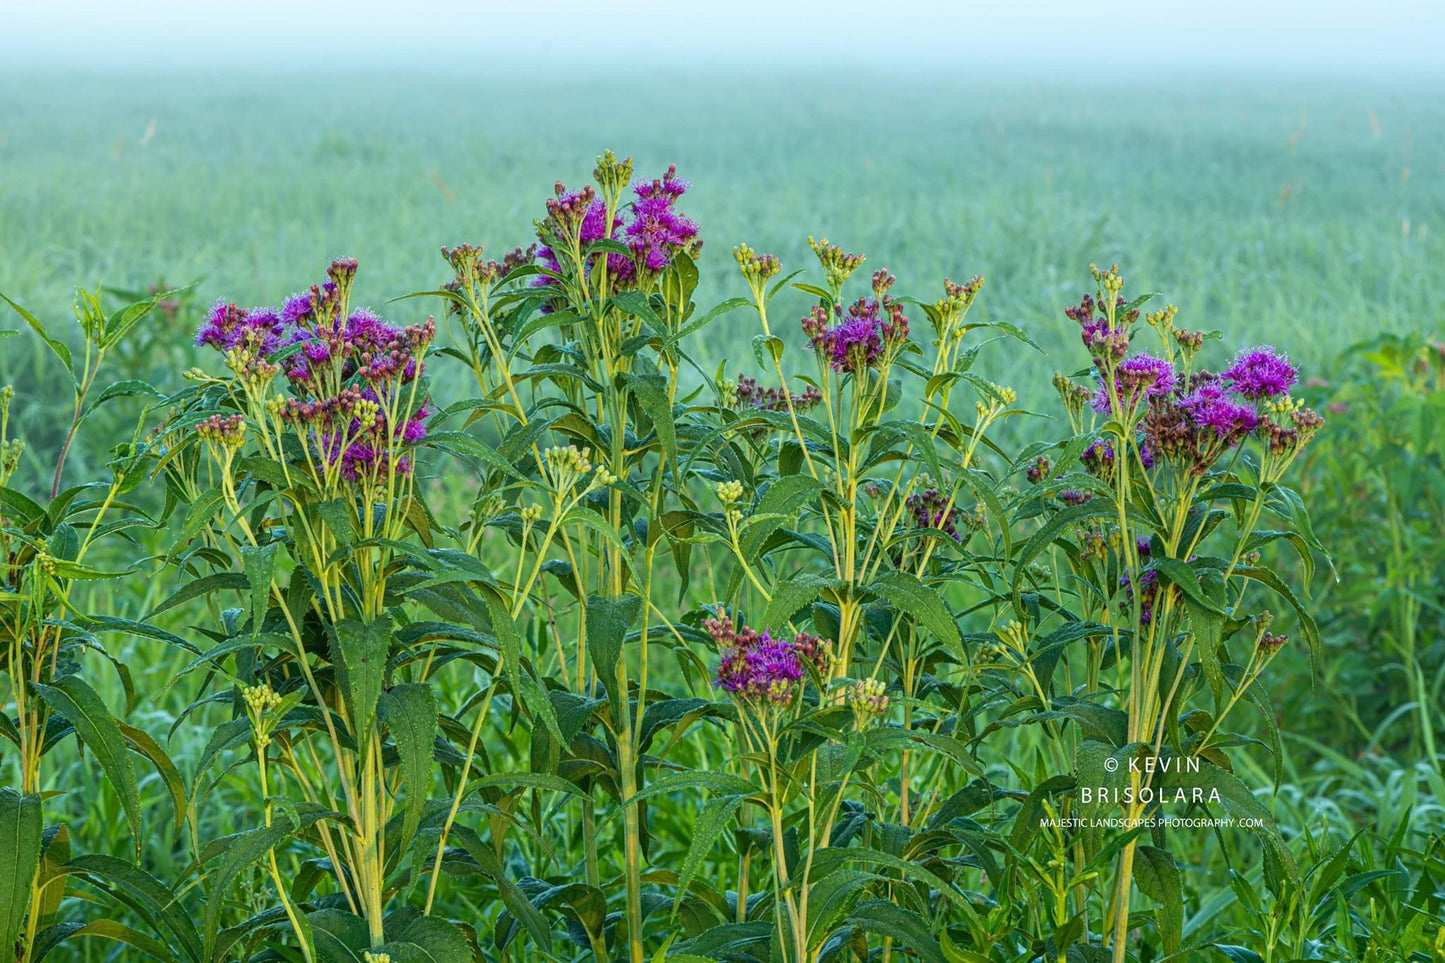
[(76, 702)]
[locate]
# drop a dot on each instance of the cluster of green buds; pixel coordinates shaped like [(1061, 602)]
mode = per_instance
[(10, 448), (531, 514), (756, 269), (994, 402), (1075, 398), (866, 698), (367, 956), (1093, 544), (948, 311), (248, 363), (1110, 281), (838, 265), (730, 493), (612, 175), (261, 702), (727, 393), (565, 467), (44, 561), (1013, 639)]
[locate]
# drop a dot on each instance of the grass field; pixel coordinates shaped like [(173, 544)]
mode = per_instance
[(1309, 213), (1306, 214)]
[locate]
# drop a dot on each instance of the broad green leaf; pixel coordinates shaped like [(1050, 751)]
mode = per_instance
[(410, 712), (140, 741), (21, 828), (74, 700), (139, 889), (905, 926), (791, 596), (608, 623), (924, 605), (711, 822), (1157, 877), (360, 660), (259, 563)]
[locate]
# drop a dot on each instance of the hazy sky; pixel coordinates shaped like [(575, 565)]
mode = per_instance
[(1321, 36)]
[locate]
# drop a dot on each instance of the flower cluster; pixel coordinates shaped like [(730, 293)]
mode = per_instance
[(1039, 470), (655, 233), (746, 393), (871, 328), (1106, 342), (760, 669), (838, 265), (930, 509), (867, 699), (347, 372)]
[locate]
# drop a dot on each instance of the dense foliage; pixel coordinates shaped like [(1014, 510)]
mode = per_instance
[(614, 657)]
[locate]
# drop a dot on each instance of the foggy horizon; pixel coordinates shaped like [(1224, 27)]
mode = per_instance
[(1130, 39)]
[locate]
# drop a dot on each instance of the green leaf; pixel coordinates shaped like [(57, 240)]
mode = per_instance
[(608, 623), (410, 712), (57, 347), (427, 939), (1157, 877), (141, 742), (202, 586), (905, 926), (651, 393), (512, 896), (360, 659), (464, 445), (509, 640), (145, 892), (924, 605), (74, 700), (711, 822), (791, 596), (21, 828), (1186, 579), (118, 932), (240, 853), (259, 563)]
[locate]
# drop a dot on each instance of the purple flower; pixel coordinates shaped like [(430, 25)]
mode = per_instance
[(228, 326), (760, 668), (858, 340), (593, 227), (1261, 373), (1138, 377), (931, 510), (1214, 411), (657, 232)]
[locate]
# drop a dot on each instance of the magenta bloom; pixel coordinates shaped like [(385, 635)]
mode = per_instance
[(1261, 373), (657, 231), (1212, 410), (593, 228), (228, 326), (1138, 377), (761, 668)]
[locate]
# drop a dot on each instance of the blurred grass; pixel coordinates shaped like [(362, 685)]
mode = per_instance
[(1308, 214)]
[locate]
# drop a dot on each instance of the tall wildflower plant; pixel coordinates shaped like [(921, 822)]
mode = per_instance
[(53, 548), (1156, 520), (298, 466)]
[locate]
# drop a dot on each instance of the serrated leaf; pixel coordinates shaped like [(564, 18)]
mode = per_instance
[(76, 702), (409, 711), (1157, 877), (21, 828), (360, 654)]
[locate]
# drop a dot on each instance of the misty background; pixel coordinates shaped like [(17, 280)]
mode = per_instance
[(1277, 170)]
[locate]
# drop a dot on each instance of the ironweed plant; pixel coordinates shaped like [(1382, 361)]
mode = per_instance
[(47, 550), (801, 665)]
